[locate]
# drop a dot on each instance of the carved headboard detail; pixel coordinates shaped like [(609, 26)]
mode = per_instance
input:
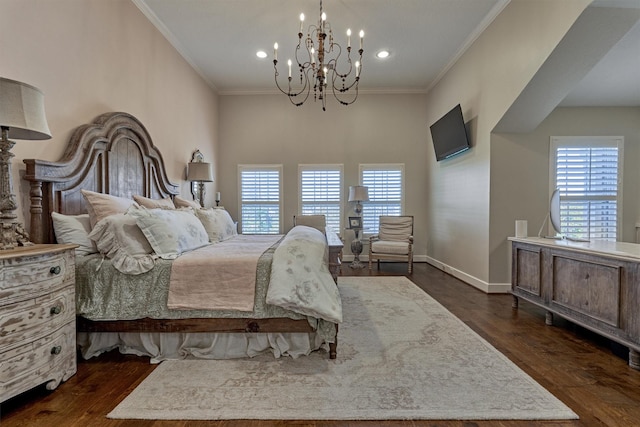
[(112, 155)]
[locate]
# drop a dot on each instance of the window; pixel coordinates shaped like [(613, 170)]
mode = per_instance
[(386, 193), (587, 171), (321, 192), (260, 198)]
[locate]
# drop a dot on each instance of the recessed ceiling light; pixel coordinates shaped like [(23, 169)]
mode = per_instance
[(382, 54), (261, 54)]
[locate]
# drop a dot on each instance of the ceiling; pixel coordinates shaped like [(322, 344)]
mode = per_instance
[(220, 38)]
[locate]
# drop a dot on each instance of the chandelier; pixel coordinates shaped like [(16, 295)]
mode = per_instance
[(317, 58)]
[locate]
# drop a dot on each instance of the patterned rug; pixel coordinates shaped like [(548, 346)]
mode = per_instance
[(401, 355)]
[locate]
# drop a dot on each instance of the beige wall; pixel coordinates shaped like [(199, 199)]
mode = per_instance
[(267, 129), (520, 170), (485, 81), (94, 56)]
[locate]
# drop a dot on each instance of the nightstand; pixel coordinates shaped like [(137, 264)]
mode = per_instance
[(37, 317)]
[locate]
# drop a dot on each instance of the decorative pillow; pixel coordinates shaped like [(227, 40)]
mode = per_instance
[(101, 205), (170, 232), (119, 238), (74, 229), (165, 203), (179, 202), (218, 224)]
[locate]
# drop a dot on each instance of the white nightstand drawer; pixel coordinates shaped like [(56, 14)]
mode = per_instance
[(36, 317), (38, 362)]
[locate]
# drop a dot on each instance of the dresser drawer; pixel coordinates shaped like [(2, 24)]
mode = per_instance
[(48, 359), (26, 275), (36, 317)]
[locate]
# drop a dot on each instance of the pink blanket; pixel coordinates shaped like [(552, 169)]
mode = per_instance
[(221, 276)]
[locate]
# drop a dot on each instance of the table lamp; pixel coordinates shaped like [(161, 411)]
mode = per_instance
[(22, 116), (199, 172)]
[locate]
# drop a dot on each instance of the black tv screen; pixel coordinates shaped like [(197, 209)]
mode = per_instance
[(449, 134)]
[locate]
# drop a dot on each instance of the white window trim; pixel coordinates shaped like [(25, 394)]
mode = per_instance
[(306, 167), (269, 167), (589, 141)]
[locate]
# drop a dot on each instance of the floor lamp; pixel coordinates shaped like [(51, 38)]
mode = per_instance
[(22, 116)]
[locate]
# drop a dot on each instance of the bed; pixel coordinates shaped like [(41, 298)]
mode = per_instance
[(114, 155)]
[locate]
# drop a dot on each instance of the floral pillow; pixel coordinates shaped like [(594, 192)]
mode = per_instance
[(170, 232), (218, 224), (101, 205), (119, 238)]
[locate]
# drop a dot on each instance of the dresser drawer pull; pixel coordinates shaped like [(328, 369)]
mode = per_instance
[(56, 350), (55, 270), (56, 310)]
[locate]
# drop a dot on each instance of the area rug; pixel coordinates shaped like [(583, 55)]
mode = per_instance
[(401, 355)]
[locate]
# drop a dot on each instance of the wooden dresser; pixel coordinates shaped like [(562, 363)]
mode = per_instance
[(593, 284), (37, 317)]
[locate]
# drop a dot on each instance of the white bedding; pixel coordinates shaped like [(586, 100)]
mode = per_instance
[(300, 277), (304, 250)]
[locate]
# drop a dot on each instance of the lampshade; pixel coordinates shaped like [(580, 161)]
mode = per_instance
[(200, 171), (358, 193), (22, 110)]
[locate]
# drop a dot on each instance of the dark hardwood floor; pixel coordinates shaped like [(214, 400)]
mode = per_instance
[(588, 373)]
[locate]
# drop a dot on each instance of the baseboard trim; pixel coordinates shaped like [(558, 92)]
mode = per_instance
[(488, 288)]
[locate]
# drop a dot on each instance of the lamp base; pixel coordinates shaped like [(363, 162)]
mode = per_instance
[(12, 234), (356, 250)]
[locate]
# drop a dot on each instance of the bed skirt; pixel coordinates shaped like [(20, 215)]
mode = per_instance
[(199, 345)]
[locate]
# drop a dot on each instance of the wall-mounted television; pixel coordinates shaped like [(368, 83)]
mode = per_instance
[(449, 134)]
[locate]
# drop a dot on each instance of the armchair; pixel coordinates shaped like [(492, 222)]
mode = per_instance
[(316, 221), (394, 241)]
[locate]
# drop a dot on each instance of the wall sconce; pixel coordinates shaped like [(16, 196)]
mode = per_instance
[(21, 117), (199, 172)]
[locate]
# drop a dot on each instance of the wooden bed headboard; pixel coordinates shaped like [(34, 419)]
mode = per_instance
[(113, 155)]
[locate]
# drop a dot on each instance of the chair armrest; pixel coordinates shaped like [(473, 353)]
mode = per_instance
[(411, 239), (374, 238)]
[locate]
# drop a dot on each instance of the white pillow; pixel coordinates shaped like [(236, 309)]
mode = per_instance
[(119, 238), (165, 203), (218, 224), (179, 202), (170, 232), (101, 205), (74, 229)]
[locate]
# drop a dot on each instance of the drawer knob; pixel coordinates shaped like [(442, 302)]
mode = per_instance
[(56, 350), (55, 270), (56, 310)]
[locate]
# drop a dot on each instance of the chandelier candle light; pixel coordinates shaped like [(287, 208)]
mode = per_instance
[(318, 65)]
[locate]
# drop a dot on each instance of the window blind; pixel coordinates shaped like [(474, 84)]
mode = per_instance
[(321, 193), (385, 183), (260, 194), (587, 177)]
